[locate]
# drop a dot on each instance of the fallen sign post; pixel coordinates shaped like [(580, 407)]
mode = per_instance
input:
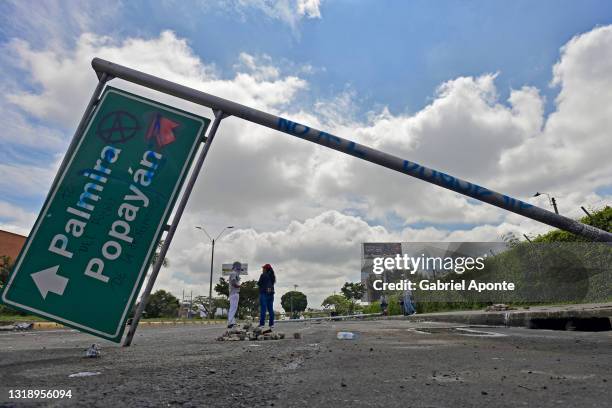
[(88, 253), (354, 149)]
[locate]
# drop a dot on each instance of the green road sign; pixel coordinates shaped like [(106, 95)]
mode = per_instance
[(91, 246)]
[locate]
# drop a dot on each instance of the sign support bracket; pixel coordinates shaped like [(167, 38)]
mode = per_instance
[(219, 116), (103, 78)]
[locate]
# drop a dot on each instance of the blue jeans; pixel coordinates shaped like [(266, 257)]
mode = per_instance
[(266, 302)]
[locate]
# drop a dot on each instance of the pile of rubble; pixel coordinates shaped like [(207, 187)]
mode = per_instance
[(17, 327), (498, 308), (248, 332)]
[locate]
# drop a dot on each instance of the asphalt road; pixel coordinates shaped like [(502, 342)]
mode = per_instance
[(389, 364)]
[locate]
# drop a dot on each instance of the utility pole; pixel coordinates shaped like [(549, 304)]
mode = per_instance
[(551, 200), (587, 213), (554, 204), (212, 257)]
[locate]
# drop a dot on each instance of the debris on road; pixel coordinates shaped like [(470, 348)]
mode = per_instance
[(17, 327), (93, 351), (345, 336), (84, 374), (247, 332), (500, 307)]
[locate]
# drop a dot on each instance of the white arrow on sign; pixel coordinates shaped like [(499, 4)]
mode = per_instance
[(48, 280)]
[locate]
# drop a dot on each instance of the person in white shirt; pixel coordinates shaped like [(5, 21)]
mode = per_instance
[(234, 293)]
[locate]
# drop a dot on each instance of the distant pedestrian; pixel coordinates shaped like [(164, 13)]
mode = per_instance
[(266, 294), (383, 305), (408, 306), (234, 293)]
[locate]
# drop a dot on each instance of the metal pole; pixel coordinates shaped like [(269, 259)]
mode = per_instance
[(554, 204), (526, 237), (212, 257), (586, 212), (78, 134), (354, 149), (219, 116)]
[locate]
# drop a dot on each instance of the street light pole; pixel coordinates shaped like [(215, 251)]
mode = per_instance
[(212, 257)]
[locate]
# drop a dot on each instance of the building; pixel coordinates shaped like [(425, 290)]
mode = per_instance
[(10, 245), (369, 251)]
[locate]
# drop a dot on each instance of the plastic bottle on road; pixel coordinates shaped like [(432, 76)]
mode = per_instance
[(346, 336)]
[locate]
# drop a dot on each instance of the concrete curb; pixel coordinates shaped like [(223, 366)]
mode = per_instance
[(515, 318), (174, 322), (54, 325)]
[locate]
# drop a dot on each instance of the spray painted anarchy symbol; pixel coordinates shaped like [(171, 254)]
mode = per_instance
[(117, 127)]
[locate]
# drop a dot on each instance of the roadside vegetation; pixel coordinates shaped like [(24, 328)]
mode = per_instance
[(579, 273)]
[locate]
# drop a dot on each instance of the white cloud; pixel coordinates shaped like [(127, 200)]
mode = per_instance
[(18, 131), (56, 23), (66, 79), (25, 180), (309, 8), (17, 219), (288, 11)]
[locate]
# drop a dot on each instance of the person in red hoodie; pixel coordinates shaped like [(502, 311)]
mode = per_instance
[(266, 294)]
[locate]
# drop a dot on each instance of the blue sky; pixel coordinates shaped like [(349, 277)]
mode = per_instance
[(392, 53), (461, 86)]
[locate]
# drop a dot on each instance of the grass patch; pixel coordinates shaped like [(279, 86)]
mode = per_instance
[(19, 318)]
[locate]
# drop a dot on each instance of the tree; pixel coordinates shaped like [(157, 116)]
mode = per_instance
[(352, 292), (248, 304), (601, 219), (222, 287), (162, 304), (294, 301), (201, 303), (6, 265), (338, 302)]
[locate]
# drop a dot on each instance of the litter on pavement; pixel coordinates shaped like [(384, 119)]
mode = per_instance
[(345, 336), (85, 374), (93, 351)]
